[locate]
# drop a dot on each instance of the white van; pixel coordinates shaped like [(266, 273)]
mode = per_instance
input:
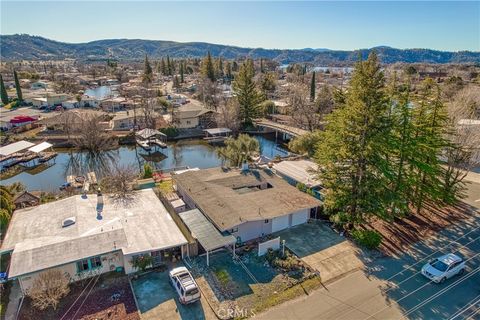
[(185, 285)]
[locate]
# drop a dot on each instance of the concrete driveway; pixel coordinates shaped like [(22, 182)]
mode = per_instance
[(158, 300), (393, 288), (322, 249)]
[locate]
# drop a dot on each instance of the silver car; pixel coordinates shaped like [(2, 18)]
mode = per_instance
[(442, 268)]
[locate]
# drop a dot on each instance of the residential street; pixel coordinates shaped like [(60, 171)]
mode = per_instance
[(394, 289)]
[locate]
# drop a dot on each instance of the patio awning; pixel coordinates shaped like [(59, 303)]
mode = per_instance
[(15, 147), (40, 147), (215, 131), (204, 231)]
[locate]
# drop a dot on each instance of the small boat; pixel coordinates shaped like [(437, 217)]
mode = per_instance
[(159, 143), (144, 145), (47, 156)]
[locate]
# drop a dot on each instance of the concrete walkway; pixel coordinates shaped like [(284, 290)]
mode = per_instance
[(322, 249), (14, 301)]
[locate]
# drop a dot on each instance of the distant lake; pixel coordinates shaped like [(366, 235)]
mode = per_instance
[(191, 153), (100, 93)]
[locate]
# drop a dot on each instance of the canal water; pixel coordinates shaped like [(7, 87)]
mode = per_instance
[(191, 153), (102, 92)]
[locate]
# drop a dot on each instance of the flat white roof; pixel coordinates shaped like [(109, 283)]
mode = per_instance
[(40, 147), (39, 241), (299, 170), (15, 147), (218, 131)]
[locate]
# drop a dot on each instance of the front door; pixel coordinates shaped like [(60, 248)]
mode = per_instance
[(157, 258)]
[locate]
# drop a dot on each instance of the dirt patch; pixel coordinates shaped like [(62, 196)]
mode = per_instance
[(399, 235), (111, 298)]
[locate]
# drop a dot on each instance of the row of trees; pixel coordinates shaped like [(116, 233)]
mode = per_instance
[(386, 149), (3, 90)]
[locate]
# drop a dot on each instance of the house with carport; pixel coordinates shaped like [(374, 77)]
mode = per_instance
[(248, 204), (84, 236)]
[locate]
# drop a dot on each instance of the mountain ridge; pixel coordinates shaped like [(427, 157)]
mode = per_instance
[(28, 47)]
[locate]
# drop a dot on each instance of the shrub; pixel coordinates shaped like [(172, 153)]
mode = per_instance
[(286, 263), (368, 238), (147, 171), (142, 262), (170, 131), (48, 289)]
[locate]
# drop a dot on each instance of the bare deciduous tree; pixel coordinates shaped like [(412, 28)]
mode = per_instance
[(303, 112), (119, 181), (91, 136), (228, 115), (49, 288)]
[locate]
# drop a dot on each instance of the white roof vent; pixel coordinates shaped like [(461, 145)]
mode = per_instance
[(68, 222)]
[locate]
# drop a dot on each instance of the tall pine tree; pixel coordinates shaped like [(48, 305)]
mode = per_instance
[(17, 87), (207, 68), (350, 155), (147, 72), (312, 87), (246, 93), (3, 91)]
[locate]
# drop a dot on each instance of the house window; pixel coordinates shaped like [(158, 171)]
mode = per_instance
[(82, 265), (267, 221), (188, 122), (96, 262)]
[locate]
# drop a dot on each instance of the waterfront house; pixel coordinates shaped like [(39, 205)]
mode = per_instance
[(193, 115), (26, 199), (86, 236), (248, 203)]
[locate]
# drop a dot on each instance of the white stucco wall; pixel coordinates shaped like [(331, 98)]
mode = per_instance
[(110, 262), (187, 123)]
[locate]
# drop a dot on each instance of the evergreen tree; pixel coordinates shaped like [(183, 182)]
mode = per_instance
[(181, 72), (351, 154), (163, 67), (17, 87), (312, 87), (220, 68), (3, 91), (247, 93), (169, 66), (261, 66), (229, 71), (208, 69), (235, 66), (147, 72)]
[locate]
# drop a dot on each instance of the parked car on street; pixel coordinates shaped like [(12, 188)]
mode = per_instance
[(185, 285), (442, 268)]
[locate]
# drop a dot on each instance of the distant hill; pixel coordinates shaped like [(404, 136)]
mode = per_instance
[(26, 47)]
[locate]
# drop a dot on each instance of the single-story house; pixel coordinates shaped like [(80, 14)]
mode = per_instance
[(300, 171), (26, 199), (70, 104), (248, 203), (39, 85), (113, 104), (74, 119), (86, 236)]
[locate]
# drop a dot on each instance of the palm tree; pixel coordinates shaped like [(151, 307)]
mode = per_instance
[(240, 150)]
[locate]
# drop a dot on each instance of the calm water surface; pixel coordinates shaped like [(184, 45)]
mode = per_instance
[(192, 153)]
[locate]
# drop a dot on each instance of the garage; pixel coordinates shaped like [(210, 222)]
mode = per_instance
[(279, 223), (299, 217)]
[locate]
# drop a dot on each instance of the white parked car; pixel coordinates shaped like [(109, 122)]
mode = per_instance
[(185, 285), (444, 267)]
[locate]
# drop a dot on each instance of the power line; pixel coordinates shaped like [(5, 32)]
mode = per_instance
[(89, 291), (412, 292), (396, 285), (71, 306), (436, 295), (465, 308)]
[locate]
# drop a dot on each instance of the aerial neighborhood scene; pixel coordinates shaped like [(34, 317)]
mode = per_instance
[(240, 160)]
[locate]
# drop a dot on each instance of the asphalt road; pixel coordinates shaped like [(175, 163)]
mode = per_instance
[(393, 288)]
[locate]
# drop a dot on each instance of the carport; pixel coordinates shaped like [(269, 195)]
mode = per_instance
[(205, 232)]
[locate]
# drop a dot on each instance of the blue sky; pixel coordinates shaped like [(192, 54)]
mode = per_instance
[(335, 25)]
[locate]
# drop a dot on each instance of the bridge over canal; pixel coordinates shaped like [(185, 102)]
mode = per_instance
[(287, 130)]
